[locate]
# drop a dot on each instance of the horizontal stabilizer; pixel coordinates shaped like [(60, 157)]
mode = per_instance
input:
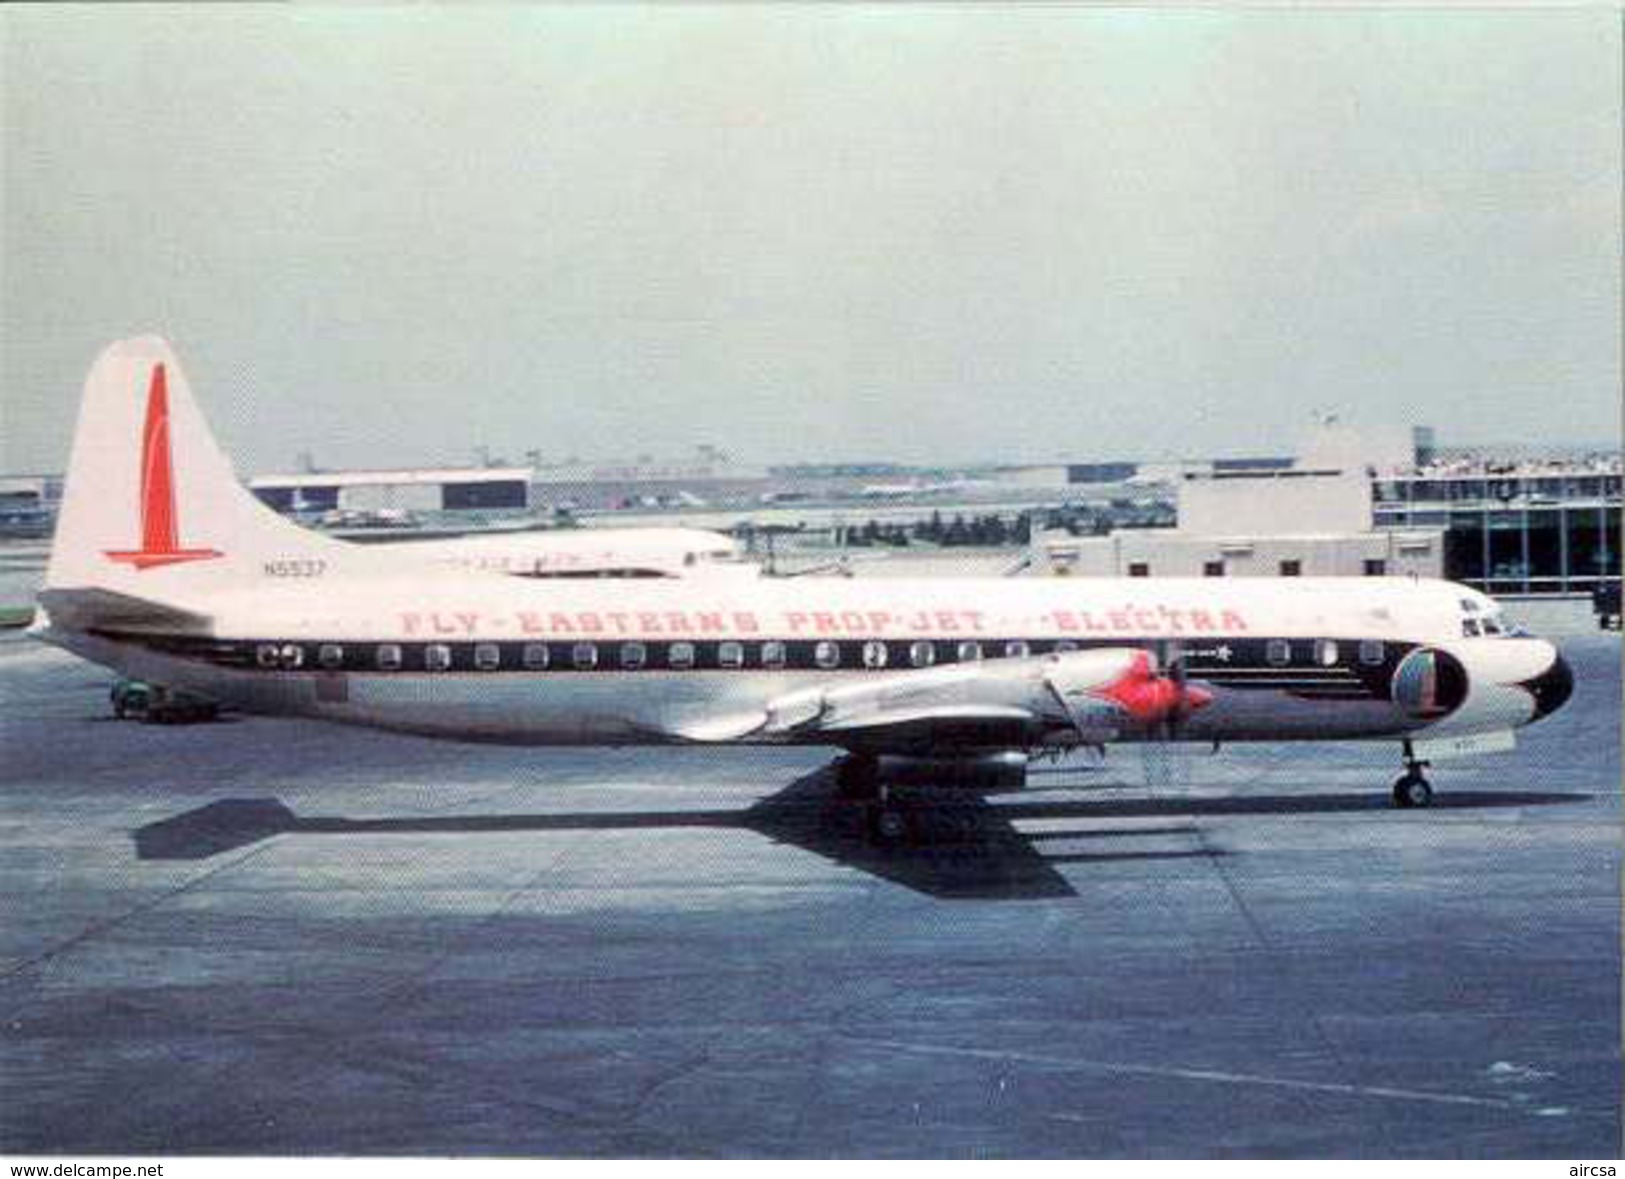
[(101, 609)]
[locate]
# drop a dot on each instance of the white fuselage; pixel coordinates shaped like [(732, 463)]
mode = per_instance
[(488, 657)]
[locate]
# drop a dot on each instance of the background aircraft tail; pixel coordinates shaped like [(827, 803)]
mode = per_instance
[(151, 507)]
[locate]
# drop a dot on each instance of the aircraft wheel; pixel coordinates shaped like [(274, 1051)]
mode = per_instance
[(887, 825), (1413, 791)]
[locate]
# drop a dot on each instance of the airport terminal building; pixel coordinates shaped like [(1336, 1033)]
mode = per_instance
[(1529, 529)]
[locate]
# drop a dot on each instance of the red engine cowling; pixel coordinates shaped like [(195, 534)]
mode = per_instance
[(1112, 689)]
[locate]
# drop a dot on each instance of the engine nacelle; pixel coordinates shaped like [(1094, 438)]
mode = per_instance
[(1106, 691)]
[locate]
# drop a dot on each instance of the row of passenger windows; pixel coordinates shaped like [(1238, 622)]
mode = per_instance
[(771, 655), (1324, 652)]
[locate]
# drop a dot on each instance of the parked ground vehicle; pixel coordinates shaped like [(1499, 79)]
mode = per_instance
[(1605, 604), (135, 700)]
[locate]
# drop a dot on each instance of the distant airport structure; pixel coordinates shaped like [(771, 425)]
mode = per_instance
[(1353, 502), (415, 490), (1265, 522)]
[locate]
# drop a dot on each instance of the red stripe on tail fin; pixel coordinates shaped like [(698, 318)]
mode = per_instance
[(160, 524)]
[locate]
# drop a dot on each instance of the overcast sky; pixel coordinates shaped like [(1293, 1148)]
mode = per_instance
[(918, 232)]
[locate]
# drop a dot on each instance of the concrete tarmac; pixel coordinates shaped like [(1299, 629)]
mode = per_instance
[(274, 937)]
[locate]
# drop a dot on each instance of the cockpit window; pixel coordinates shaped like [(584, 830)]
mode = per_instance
[(1469, 627), (1492, 626)]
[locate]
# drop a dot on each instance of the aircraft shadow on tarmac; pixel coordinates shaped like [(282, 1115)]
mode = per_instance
[(962, 846)]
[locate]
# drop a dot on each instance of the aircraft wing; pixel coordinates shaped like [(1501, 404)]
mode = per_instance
[(1067, 698)]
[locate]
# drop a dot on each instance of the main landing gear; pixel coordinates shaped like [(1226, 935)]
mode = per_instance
[(1412, 788), (857, 779)]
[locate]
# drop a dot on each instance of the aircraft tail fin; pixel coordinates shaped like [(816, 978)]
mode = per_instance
[(152, 508)]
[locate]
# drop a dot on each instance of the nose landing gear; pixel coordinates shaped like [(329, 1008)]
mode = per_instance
[(1412, 789)]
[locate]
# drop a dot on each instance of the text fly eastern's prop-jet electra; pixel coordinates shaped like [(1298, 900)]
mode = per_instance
[(166, 569)]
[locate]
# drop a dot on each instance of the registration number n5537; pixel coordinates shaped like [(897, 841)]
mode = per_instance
[(295, 567)]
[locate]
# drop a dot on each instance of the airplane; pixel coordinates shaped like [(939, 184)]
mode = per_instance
[(583, 552), (166, 569)]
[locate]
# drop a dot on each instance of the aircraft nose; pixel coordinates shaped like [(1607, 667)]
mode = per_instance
[(1552, 687)]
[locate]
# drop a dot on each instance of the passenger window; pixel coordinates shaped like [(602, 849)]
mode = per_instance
[(1278, 652), (266, 655), (633, 656), (330, 656), (292, 656), (1326, 652), (535, 656), (1065, 645), (1017, 649), (874, 655), (487, 656), (730, 656), (773, 655), (922, 654), (389, 657), (680, 657), (1371, 652), (436, 657), (970, 652), (584, 656), (827, 655)]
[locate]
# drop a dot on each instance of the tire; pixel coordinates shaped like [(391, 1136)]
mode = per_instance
[(1412, 791), (887, 826)]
